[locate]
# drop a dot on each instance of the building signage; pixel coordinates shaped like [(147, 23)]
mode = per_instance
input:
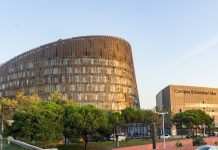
[(194, 92)]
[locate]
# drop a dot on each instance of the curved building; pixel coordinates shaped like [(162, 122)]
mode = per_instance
[(96, 70)]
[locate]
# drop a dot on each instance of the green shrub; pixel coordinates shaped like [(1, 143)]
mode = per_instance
[(178, 144), (197, 141)]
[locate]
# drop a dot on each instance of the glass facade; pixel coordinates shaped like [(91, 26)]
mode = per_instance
[(85, 69)]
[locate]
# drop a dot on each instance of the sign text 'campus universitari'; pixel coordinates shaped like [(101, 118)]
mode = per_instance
[(194, 92)]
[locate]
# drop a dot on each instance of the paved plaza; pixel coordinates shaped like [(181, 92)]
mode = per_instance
[(171, 145)]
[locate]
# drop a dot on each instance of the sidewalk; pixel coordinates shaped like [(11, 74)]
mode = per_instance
[(171, 145)]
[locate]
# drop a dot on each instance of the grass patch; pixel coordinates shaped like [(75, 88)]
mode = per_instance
[(134, 142), (108, 145), (70, 147)]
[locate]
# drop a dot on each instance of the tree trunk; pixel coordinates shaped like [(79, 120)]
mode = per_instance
[(86, 142), (193, 132), (159, 132), (86, 145), (209, 131), (117, 142)]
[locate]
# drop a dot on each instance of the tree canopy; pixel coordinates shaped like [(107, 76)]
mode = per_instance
[(57, 98), (42, 122), (192, 119), (45, 121), (131, 115), (84, 121)]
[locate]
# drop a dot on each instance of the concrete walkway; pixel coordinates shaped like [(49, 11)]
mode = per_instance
[(171, 145)]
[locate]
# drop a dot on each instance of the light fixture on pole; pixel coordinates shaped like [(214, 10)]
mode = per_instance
[(163, 113)]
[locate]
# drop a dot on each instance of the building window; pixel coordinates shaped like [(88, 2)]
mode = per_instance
[(62, 79), (77, 61), (55, 70), (68, 70), (72, 87), (65, 61), (49, 79)]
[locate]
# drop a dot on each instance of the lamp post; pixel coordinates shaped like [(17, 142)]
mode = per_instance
[(153, 136), (163, 113), (116, 135)]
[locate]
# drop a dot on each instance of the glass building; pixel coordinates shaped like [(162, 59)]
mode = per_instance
[(178, 98), (96, 70)]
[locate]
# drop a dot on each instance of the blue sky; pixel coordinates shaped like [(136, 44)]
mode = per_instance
[(173, 42)]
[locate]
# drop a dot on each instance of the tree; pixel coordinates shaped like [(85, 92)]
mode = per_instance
[(24, 101), (113, 119), (71, 115), (192, 119), (41, 122), (84, 121), (151, 117), (57, 98), (7, 107), (131, 115)]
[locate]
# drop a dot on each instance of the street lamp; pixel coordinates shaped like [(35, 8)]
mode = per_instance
[(116, 135), (163, 113)]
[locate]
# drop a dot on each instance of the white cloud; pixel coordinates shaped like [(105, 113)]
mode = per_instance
[(205, 46)]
